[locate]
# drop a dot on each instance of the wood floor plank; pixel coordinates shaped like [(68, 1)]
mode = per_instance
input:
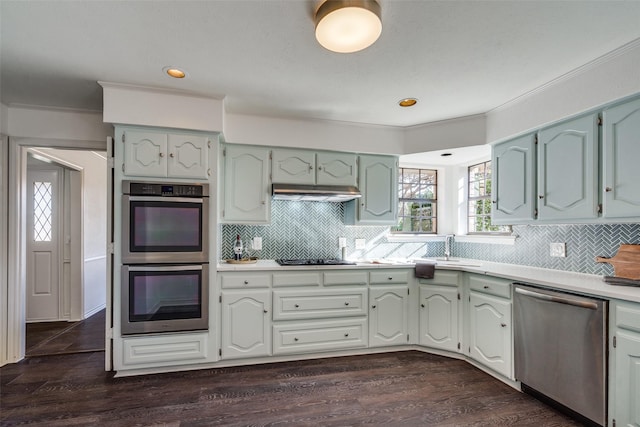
[(391, 389)]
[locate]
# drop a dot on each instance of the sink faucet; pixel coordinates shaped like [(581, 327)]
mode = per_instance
[(448, 239)]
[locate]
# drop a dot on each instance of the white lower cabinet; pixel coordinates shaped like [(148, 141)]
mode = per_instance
[(439, 317), (246, 323), (388, 315), (163, 350), (624, 362), (319, 335), (489, 324)]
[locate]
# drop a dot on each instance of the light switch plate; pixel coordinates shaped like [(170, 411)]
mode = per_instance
[(342, 242), (558, 249), (256, 244), (361, 243)]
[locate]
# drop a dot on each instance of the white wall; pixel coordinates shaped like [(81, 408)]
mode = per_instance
[(317, 134), (4, 264), (94, 203), (606, 79), (4, 119), (446, 134)]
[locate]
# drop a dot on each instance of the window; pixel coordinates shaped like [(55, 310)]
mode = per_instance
[(479, 201), (417, 207), (42, 211)]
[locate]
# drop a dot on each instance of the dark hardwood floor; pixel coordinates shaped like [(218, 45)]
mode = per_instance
[(391, 389), (47, 338)]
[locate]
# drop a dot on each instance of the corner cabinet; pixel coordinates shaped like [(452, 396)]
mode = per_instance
[(378, 183), (314, 168), (624, 360), (439, 311), (514, 175), (568, 170), (162, 154), (621, 151), (246, 192)]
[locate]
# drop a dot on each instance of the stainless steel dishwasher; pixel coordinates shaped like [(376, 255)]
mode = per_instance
[(561, 349)]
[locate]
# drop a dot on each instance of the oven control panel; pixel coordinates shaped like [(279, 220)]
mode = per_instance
[(164, 189)]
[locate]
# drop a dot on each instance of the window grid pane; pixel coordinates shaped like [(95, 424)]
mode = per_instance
[(42, 212), (479, 201), (417, 190)]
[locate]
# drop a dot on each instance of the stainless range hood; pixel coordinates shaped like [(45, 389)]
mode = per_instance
[(315, 193)]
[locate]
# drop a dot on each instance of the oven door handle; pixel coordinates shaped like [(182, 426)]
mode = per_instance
[(561, 300), (164, 199), (160, 267)]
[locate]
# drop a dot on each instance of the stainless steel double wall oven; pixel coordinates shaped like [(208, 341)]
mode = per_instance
[(165, 257)]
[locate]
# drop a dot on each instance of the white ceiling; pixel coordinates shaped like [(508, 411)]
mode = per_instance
[(457, 57)]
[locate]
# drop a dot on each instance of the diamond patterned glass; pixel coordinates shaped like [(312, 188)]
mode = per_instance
[(42, 213)]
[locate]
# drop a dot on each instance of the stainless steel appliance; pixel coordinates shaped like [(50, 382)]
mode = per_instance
[(561, 350), (315, 193), (165, 222), (164, 298), (314, 261)]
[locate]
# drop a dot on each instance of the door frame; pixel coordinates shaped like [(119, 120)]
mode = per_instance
[(16, 248)]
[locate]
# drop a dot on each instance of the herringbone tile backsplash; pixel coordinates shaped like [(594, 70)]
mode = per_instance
[(311, 230)]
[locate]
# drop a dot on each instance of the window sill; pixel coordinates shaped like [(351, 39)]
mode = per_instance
[(487, 239)]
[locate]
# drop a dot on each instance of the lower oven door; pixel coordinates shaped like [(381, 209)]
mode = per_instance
[(164, 298)]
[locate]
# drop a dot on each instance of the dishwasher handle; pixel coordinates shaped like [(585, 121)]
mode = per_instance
[(562, 300)]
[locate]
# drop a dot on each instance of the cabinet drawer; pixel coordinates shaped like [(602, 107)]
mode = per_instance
[(245, 280), (296, 279), (345, 278), (490, 285), (628, 316), (389, 276), (319, 336), (442, 278), (319, 304), (165, 350)]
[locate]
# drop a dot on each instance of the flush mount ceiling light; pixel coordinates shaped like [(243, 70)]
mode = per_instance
[(175, 72), (347, 26), (407, 102)]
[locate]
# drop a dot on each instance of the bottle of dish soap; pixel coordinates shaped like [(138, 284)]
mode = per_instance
[(237, 249)]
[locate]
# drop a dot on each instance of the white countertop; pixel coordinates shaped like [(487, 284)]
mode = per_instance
[(566, 280)]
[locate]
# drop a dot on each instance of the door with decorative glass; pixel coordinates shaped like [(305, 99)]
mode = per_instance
[(43, 249)]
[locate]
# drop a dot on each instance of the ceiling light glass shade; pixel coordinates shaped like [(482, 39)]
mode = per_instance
[(346, 26)]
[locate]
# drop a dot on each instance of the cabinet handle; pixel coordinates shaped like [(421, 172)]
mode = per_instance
[(504, 325), (422, 305), (608, 189), (171, 155), (486, 287), (389, 278), (373, 306), (296, 306), (346, 303), (295, 339), (161, 154), (246, 282), (494, 202), (540, 196), (346, 335), (265, 311)]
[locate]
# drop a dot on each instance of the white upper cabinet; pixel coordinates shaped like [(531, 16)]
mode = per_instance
[(160, 154), (621, 152), (568, 170), (378, 183), (314, 168), (514, 175), (247, 192)]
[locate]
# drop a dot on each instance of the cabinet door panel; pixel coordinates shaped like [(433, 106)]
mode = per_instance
[(246, 324), (145, 153), (336, 169), (490, 332), (621, 151), (388, 315), (513, 183), (378, 184), (568, 170), (439, 317), (246, 185), (293, 166), (188, 156)]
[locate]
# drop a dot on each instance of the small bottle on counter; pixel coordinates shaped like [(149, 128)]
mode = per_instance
[(237, 249)]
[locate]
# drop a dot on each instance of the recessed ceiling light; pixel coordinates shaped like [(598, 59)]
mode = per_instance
[(407, 102), (175, 72)]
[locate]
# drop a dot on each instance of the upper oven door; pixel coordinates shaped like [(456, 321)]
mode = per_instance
[(165, 229)]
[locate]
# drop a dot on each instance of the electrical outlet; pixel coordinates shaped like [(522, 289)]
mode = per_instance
[(558, 249), (361, 243), (256, 244), (342, 242)]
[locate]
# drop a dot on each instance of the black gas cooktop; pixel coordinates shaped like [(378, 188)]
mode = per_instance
[(314, 261)]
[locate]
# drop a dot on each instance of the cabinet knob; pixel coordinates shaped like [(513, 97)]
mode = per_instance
[(389, 278), (246, 282), (540, 196), (486, 287), (296, 306), (263, 202), (346, 303), (295, 339), (346, 335), (265, 311), (494, 202), (608, 189), (373, 306), (171, 155), (319, 168), (504, 325), (161, 154), (310, 167), (422, 305)]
